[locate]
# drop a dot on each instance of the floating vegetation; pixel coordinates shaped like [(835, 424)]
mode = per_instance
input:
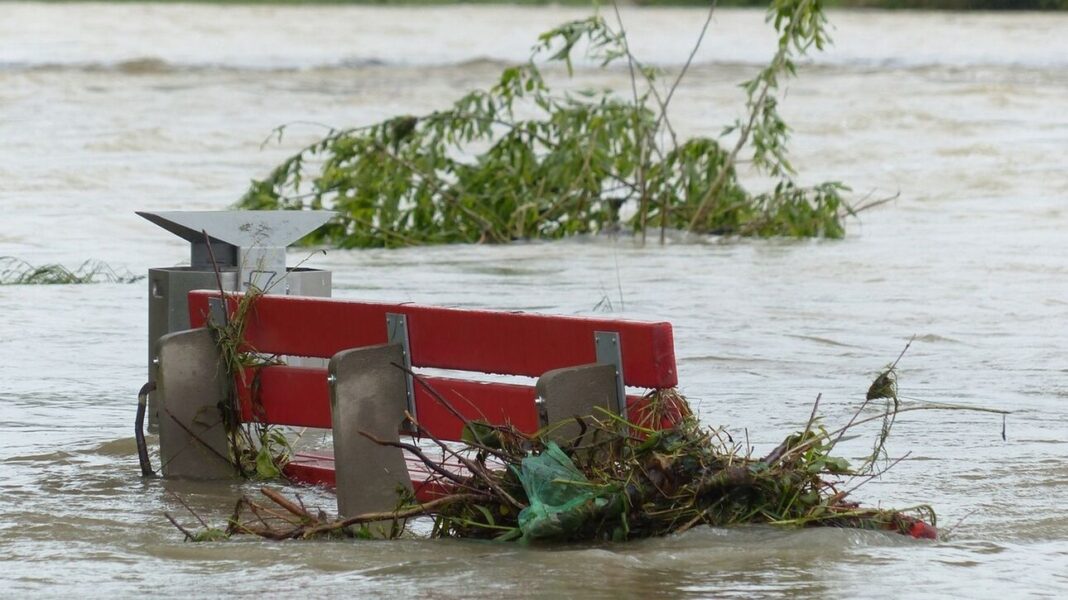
[(15, 271), (521, 161), (616, 481), (619, 480)]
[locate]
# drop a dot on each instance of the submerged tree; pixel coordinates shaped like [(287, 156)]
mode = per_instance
[(519, 161)]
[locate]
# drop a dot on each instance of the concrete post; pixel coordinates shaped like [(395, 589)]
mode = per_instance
[(575, 391), (368, 394), (191, 386)]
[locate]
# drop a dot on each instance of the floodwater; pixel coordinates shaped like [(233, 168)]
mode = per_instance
[(108, 109)]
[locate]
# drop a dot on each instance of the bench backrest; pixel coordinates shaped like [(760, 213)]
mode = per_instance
[(494, 342)]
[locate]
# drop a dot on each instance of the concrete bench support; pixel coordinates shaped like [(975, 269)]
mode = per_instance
[(367, 393), (192, 385), (576, 392)]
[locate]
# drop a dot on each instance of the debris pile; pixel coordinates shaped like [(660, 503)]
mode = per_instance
[(615, 480)]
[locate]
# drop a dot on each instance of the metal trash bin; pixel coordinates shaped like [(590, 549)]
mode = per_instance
[(248, 247)]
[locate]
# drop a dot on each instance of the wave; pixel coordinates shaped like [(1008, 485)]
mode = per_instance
[(150, 65), (114, 37)]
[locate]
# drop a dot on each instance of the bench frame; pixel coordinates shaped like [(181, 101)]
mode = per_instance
[(580, 363)]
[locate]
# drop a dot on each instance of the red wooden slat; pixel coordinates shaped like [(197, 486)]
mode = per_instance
[(496, 403), (312, 469), (295, 396), (468, 340), (300, 397), (318, 469)]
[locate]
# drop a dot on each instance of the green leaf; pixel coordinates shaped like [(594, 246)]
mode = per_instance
[(265, 466), (477, 432), (486, 513), (836, 465)]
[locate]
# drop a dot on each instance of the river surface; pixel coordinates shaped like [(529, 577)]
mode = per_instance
[(108, 109)]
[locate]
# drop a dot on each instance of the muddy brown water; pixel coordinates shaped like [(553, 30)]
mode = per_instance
[(107, 109)]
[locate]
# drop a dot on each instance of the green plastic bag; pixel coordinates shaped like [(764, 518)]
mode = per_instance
[(561, 500)]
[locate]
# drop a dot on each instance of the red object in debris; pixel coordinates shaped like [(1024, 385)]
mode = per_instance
[(923, 531)]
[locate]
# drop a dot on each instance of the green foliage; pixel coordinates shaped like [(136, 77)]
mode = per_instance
[(210, 534), (257, 450), (274, 452), (519, 161)]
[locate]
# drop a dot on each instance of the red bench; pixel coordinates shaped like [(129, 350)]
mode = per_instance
[(575, 350)]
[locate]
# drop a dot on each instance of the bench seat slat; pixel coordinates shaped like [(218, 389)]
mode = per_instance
[(318, 469), (467, 340)]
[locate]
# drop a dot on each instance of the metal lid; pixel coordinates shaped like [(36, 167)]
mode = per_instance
[(241, 228)]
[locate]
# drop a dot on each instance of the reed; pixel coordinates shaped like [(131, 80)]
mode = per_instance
[(15, 271)]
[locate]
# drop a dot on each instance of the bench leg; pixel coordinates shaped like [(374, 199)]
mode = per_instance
[(368, 394), (191, 386), (575, 391)]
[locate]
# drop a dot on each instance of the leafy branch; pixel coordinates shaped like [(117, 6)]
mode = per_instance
[(520, 161)]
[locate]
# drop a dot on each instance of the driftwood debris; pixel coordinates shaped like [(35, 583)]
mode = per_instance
[(616, 480)]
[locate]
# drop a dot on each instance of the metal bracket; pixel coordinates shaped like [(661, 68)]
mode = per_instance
[(217, 312), (397, 333), (543, 411), (609, 352)]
